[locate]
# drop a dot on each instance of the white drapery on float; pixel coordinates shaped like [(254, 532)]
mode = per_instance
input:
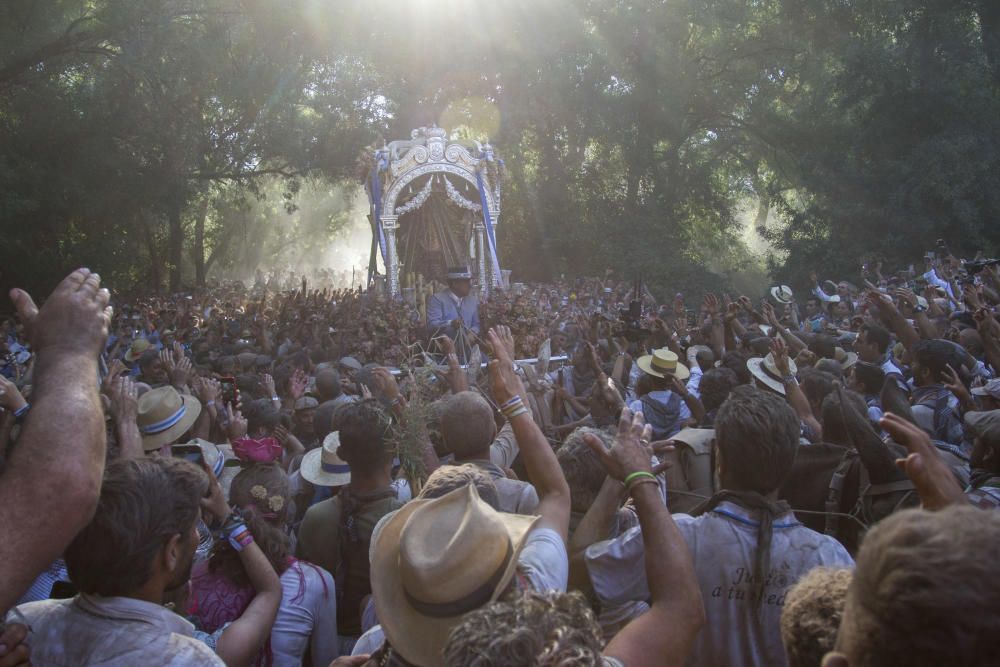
[(429, 198)]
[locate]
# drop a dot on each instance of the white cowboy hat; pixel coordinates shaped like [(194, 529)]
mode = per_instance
[(765, 372), (434, 561), (782, 294), (164, 416), (661, 363), (322, 466)]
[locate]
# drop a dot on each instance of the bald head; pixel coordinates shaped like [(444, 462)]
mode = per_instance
[(467, 426), (328, 385)]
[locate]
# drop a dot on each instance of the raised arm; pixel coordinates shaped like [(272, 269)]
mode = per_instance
[(243, 639), (665, 634), (539, 459), (53, 476), (793, 392)]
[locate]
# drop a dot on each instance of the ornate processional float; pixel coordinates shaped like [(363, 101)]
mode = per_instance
[(435, 203)]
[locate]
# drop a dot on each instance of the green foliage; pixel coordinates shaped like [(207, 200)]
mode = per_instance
[(156, 140)]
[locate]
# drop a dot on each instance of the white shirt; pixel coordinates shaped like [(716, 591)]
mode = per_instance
[(723, 544), (307, 617)]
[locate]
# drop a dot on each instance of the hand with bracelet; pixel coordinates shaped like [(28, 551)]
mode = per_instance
[(628, 460), (508, 391)]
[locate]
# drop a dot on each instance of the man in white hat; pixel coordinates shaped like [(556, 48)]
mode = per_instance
[(667, 405), (456, 308)]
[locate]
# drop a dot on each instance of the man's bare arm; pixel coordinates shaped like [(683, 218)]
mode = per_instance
[(50, 487)]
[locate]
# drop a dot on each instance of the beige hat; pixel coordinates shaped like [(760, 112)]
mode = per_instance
[(322, 466), (765, 372), (436, 560), (844, 358), (661, 363), (136, 350), (165, 415)]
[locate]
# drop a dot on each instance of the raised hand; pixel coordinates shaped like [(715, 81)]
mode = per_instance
[(503, 380), (780, 353), (629, 452), (711, 304), (237, 424), (955, 385), (935, 483), (207, 390), (268, 381), (124, 400), (75, 317), (298, 384), (772, 318)]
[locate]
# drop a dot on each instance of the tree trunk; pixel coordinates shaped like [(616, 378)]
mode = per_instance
[(200, 270), (176, 242)]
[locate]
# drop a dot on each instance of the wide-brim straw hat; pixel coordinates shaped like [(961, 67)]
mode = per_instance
[(436, 560), (765, 372), (137, 349), (164, 415), (661, 363), (782, 294), (322, 466)]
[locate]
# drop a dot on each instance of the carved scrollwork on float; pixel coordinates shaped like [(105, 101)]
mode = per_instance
[(454, 153)]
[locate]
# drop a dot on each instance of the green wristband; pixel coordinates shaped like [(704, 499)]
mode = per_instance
[(638, 473)]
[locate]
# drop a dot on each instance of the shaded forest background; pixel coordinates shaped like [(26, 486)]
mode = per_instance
[(164, 142)]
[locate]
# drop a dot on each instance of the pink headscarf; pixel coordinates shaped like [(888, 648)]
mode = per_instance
[(266, 450)]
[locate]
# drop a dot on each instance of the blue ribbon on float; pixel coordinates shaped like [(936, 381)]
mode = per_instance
[(490, 234), (381, 163)]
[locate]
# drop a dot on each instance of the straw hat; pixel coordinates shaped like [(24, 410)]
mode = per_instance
[(322, 466), (434, 561), (765, 372), (782, 294), (138, 347), (164, 415), (662, 363)]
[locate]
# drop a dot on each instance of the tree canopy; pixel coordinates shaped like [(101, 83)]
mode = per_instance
[(141, 137)]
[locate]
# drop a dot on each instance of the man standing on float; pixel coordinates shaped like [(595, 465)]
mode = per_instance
[(454, 311)]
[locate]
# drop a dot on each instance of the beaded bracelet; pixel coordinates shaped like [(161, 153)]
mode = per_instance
[(240, 537), (512, 406), (517, 413), (511, 403)]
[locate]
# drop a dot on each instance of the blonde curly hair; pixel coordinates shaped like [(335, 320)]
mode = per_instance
[(527, 629), (811, 615)]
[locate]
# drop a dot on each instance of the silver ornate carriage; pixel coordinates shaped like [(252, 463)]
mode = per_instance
[(435, 203)]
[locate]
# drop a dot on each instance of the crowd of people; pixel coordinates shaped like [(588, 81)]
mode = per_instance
[(568, 474)]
